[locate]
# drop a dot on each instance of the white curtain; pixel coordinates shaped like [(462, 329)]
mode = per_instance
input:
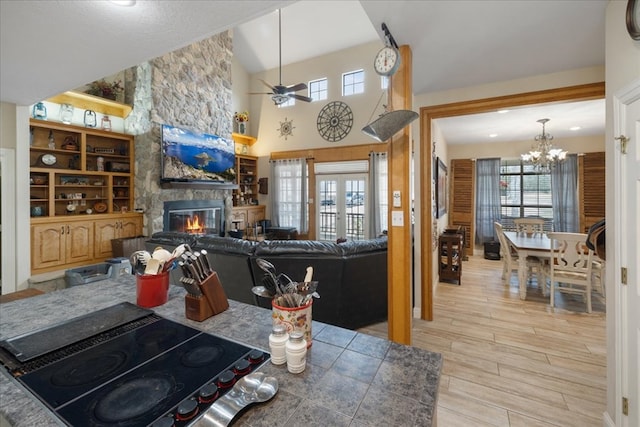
[(378, 194), (488, 198), (564, 195), (288, 194)]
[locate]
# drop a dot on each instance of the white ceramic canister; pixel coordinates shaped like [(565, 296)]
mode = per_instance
[(277, 344), (296, 352)]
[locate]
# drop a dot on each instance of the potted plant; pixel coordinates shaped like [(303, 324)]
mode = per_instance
[(105, 89)]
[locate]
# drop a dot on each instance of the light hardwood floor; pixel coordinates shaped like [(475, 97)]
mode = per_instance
[(509, 362)]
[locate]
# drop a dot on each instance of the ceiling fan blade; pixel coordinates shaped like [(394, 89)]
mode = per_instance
[(268, 85), (295, 88), (300, 97), (259, 93)]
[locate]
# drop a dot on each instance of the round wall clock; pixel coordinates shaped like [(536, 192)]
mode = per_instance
[(633, 19), (335, 121), (387, 61)]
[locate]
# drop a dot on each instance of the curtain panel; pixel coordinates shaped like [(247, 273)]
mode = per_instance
[(378, 194), (487, 198), (564, 195), (288, 194)]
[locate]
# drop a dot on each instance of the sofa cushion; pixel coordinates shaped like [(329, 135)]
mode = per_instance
[(298, 247), (171, 239), (363, 246), (228, 245)]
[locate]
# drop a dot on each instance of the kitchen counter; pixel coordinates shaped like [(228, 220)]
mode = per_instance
[(351, 379)]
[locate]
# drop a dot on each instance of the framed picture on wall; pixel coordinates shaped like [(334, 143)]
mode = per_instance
[(441, 188)]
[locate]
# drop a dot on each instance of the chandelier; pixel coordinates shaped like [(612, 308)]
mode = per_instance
[(543, 156)]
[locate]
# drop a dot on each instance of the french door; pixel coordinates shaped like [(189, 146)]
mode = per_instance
[(341, 207)]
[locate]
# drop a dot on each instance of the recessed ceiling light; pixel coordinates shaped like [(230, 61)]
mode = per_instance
[(123, 2), (493, 135), (575, 128), (502, 111)]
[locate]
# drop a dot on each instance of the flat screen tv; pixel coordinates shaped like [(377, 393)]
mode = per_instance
[(196, 157)]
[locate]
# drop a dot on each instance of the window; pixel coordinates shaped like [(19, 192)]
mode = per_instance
[(524, 192), (290, 186), (353, 83), (318, 89)]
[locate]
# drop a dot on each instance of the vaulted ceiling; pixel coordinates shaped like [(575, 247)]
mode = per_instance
[(48, 47)]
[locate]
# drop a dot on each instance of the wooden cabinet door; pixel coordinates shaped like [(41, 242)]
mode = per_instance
[(48, 245), (255, 214), (130, 227), (105, 231), (79, 246), (239, 218)]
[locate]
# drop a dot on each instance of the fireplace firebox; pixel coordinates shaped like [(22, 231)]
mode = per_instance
[(194, 216)]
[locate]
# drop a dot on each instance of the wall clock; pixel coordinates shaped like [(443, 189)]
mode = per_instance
[(335, 121), (633, 19)]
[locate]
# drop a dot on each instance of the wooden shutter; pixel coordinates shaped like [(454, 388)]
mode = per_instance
[(462, 198), (591, 184)]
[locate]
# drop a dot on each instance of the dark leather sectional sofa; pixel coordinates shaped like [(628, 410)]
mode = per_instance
[(352, 276)]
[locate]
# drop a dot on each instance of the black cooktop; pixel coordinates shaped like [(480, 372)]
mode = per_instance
[(157, 372)]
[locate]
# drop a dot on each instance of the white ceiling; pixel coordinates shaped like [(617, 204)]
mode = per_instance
[(48, 47)]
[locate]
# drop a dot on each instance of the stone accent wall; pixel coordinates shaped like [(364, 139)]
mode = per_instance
[(188, 88)]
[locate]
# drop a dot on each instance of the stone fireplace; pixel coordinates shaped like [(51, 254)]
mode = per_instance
[(194, 216)]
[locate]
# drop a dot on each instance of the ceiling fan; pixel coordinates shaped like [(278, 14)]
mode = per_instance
[(279, 93)]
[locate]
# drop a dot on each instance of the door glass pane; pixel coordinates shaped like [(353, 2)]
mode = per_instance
[(328, 195), (354, 209)]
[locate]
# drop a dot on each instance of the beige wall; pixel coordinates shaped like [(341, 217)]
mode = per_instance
[(304, 115), (514, 149)]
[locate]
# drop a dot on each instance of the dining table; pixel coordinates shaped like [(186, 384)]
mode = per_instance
[(527, 244)]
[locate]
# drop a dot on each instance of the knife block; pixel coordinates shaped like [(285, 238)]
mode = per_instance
[(213, 300)]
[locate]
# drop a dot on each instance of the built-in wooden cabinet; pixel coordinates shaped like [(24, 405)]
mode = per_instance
[(77, 170), (246, 217), (247, 178), (60, 243), (81, 194), (106, 230)]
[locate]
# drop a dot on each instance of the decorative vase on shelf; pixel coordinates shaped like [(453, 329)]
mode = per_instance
[(242, 128)]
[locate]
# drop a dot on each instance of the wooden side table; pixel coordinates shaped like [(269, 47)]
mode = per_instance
[(450, 250)]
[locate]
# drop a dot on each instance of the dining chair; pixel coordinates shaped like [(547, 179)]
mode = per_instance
[(598, 275), (570, 267), (510, 257), (529, 225)]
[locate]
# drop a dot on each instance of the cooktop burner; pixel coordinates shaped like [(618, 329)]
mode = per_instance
[(156, 373)]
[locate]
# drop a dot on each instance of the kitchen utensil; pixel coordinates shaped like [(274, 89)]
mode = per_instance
[(268, 268), (269, 284), (286, 284), (153, 266), (309, 274), (261, 291), (256, 387)]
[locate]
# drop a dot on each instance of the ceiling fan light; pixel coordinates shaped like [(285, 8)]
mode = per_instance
[(388, 124)]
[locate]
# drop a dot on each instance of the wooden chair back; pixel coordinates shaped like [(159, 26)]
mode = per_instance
[(529, 225)]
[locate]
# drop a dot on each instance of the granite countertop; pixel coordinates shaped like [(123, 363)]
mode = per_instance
[(351, 379)]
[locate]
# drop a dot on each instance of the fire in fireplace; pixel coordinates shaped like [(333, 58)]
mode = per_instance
[(194, 216)]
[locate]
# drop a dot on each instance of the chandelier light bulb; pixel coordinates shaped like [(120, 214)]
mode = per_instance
[(543, 156)]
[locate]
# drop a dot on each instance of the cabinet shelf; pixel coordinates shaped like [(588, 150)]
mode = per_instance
[(84, 101), (243, 139)]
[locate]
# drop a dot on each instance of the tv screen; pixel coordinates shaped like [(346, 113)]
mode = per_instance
[(196, 157)]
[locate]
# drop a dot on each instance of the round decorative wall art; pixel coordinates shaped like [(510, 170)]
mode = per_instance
[(286, 128), (335, 121)]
